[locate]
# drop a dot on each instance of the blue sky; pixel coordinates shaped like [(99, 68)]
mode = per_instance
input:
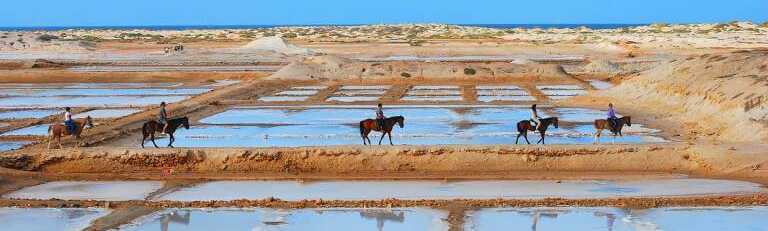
[(263, 12)]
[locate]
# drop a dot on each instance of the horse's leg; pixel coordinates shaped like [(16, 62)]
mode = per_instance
[(518, 137), (365, 136), (143, 137), (152, 138), (362, 137), (541, 140), (597, 136), (382, 137), (525, 135), (170, 140), (58, 141), (389, 134)]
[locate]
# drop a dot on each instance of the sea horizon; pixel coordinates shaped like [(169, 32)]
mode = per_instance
[(241, 27)]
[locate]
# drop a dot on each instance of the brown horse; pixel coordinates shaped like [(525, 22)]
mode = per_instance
[(150, 127), (56, 131), (525, 125), (366, 126), (602, 124)]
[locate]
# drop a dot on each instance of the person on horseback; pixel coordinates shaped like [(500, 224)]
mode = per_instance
[(535, 119), (612, 119), (380, 116), (162, 118), (68, 122)]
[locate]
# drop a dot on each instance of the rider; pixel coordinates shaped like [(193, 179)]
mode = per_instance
[(162, 117), (535, 117), (68, 122), (379, 116), (611, 117)]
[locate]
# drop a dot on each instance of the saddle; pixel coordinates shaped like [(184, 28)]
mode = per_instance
[(378, 124)]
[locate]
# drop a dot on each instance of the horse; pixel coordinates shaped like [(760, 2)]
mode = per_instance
[(150, 127), (368, 125), (525, 125), (56, 131), (602, 124)]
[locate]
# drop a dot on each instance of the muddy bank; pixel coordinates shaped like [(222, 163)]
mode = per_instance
[(350, 160), (639, 202)]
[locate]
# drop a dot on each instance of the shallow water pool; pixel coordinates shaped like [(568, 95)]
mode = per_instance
[(491, 189), (86, 101), (48, 92), (11, 145), (579, 218), (88, 190), (288, 127), (46, 219), (292, 219), (106, 113), (36, 130), (27, 114)]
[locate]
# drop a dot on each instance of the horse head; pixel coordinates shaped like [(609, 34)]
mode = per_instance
[(628, 120), (401, 121), (185, 122), (555, 121)]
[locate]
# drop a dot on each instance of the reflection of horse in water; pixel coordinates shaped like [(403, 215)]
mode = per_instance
[(536, 215), (174, 217), (383, 215)]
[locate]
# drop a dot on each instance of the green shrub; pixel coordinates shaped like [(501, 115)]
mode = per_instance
[(469, 71)]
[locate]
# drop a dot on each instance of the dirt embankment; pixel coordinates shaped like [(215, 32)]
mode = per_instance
[(328, 67), (714, 96), (447, 161)]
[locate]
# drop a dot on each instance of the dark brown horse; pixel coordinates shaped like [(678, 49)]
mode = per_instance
[(366, 126), (602, 124), (150, 127), (525, 125), (56, 131)]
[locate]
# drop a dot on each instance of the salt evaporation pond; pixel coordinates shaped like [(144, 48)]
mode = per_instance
[(87, 101), (290, 127), (27, 114), (36, 130), (49, 92), (107, 113), (489, 189), (11, 145), (88, 190), (579, 218), (292, 219), (45, 219)]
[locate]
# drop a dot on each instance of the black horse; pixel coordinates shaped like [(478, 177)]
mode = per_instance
[(150, 127), (525, 125), (366, 126)]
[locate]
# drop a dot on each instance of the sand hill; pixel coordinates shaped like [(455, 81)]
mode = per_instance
[(724, 96), (275, 44)]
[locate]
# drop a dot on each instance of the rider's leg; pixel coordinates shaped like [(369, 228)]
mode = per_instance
[(165, 127)]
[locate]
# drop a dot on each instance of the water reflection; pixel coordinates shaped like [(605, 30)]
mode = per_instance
[(613, 219), (292, 219), (383, 215), (177, 217)]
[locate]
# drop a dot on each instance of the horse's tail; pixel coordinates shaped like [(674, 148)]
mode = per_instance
[(362, 128)]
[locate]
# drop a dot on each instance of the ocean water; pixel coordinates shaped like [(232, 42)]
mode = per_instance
[(214, 27)]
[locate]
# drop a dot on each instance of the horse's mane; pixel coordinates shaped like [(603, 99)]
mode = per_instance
[(178, 119)]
